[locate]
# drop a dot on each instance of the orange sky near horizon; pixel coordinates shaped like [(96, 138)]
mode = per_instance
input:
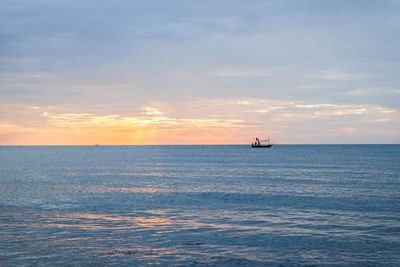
[(226, 121), (109, 135)]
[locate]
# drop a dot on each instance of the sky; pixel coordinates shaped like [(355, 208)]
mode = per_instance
[(76, 72)]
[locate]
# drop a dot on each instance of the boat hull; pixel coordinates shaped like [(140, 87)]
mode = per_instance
[(261, 146)]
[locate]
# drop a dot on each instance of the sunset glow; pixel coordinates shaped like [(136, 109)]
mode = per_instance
[(192, 74), (48, 125)]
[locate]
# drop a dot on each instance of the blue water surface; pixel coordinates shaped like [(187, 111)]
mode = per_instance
[(291, 205)]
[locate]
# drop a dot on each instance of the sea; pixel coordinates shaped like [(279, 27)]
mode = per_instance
[(211, 205)]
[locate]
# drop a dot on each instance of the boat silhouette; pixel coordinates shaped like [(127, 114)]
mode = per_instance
[(261, 143)]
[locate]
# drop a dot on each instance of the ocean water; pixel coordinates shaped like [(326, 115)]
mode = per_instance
[(291, 205)]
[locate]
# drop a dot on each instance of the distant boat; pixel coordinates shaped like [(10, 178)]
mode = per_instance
[(261, 143)]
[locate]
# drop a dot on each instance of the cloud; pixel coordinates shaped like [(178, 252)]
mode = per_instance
[(315, 106), (242, 102), (218, 121), (83, 120), (316, 110), (243, 73), (271, 108), (151, 111), (383, 120), (373, 91), (335, 75)]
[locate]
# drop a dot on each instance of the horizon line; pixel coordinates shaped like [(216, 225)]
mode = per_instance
[(232, 144)]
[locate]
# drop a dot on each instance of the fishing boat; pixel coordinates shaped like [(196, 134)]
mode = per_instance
[(261, 143)]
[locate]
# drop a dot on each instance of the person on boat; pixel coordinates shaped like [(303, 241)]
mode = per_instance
[(257, 141)]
